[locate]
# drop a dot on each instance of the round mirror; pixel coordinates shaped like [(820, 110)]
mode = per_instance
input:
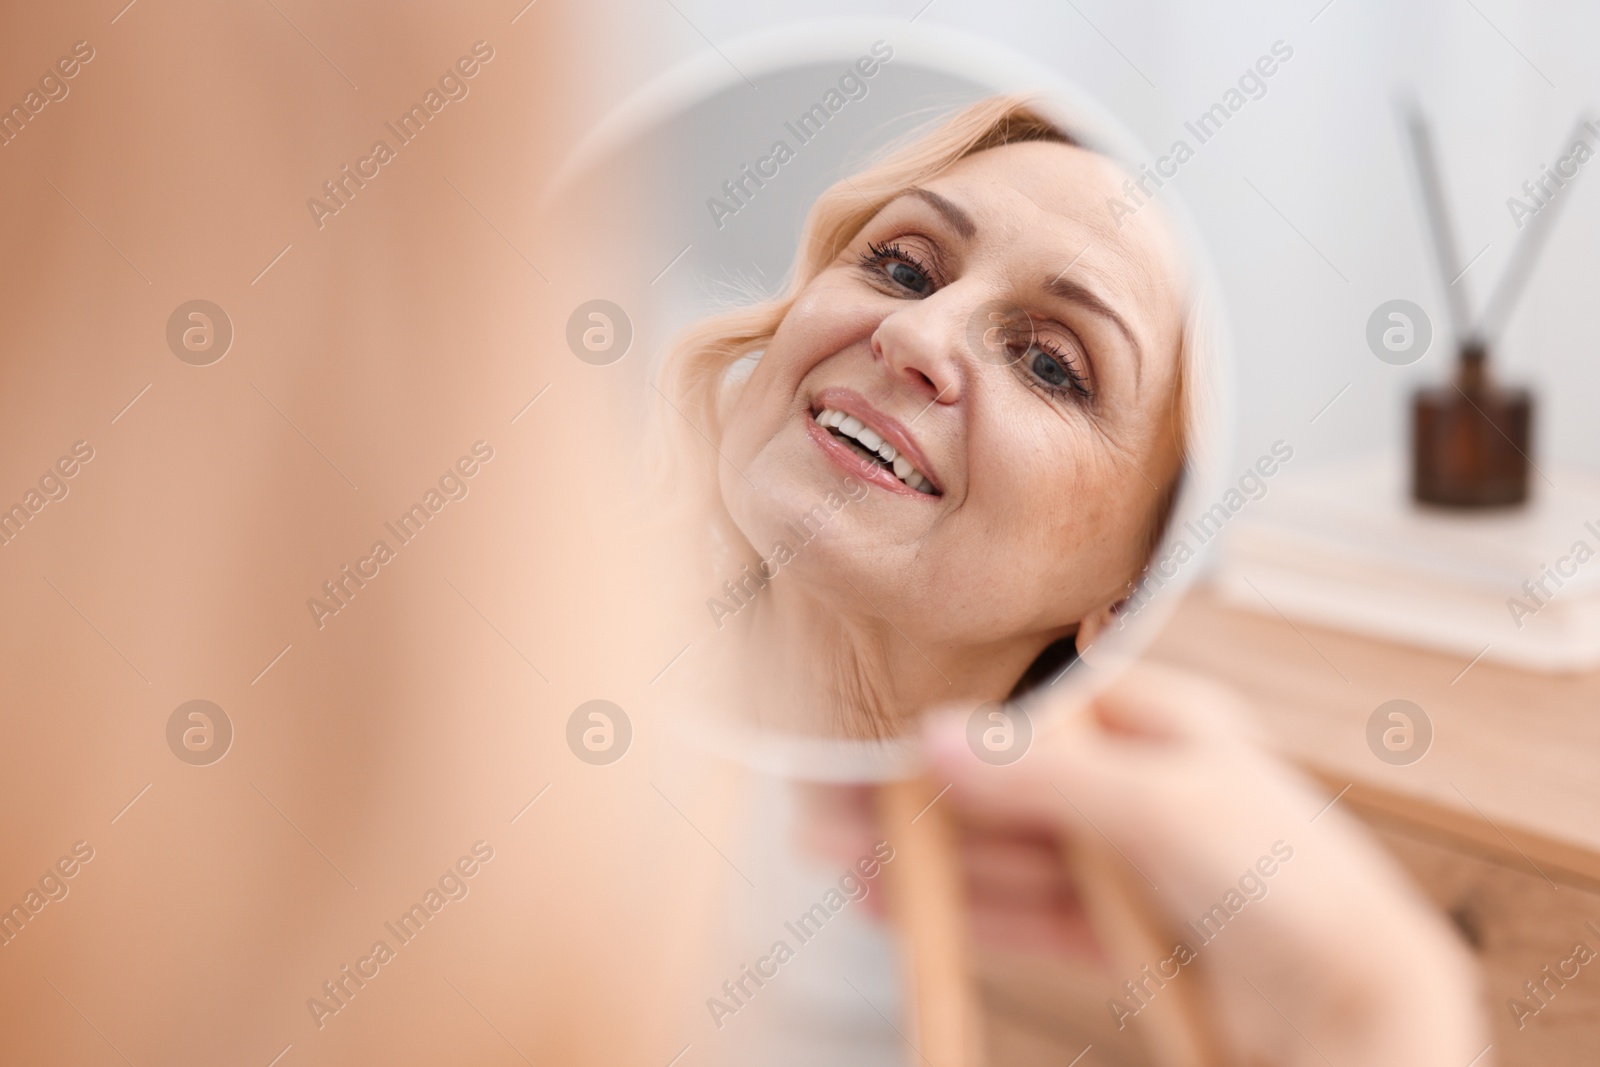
[(929, 393)]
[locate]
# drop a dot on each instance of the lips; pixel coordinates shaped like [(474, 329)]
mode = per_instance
[(870, 443)]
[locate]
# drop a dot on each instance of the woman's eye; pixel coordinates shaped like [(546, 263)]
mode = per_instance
[(898, 266), (1053, 370), (908, 276), (1048, 368)]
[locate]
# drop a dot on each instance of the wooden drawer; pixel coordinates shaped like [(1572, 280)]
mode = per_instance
[(1518, 922)]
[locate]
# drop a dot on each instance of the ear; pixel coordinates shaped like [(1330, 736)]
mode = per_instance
[(1094, 624)]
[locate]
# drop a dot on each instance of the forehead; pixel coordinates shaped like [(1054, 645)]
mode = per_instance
[(1049, 203), (1061, 182)]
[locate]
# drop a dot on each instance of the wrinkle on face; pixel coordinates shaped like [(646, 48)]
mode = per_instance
[(1042, 524)]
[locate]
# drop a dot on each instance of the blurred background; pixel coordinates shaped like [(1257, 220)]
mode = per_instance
[(348, 363)]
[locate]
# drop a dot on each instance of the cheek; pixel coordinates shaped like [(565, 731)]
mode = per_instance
[(1033, 466), (824, 320), (1059, 516), (827, 318), (764, 404)]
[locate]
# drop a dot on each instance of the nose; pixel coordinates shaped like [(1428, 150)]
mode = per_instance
[(919, 345)]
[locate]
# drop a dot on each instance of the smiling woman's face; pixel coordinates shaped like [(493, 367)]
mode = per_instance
[(997, 332)]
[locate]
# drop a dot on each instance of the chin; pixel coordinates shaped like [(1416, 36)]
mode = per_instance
[(818, 521), (803, 516)]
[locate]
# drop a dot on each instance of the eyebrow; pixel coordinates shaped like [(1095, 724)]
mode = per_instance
[(958, 219), (1075, 293)]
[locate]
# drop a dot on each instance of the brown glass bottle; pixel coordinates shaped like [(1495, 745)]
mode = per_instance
[(1470, 439)]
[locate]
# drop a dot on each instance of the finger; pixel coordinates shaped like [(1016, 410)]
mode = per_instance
[(1172, 807), (1024, 872), (1014, 795), (1046, 790), (1162, 704), (1036, 931)]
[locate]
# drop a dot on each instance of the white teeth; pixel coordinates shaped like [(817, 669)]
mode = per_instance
[(872, 441)]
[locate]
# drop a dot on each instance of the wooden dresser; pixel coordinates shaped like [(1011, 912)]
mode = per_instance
[(1499, 821)]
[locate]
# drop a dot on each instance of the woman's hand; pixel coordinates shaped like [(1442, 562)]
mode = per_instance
[(1359, 968)]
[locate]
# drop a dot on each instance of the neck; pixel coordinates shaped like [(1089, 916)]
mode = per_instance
[(807, 666)]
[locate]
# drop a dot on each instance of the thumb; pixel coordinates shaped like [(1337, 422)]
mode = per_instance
[(1002, 786)]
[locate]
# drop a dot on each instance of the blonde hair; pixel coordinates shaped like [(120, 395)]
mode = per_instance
[(694, 375)]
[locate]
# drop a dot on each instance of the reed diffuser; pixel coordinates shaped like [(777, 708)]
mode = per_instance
[(1471, 438)]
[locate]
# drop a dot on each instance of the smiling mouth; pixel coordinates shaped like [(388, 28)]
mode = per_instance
[(871, 447)]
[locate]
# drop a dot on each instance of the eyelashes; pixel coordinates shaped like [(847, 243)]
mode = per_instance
[(883, 259), (1051, 368), (1043, 365)]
